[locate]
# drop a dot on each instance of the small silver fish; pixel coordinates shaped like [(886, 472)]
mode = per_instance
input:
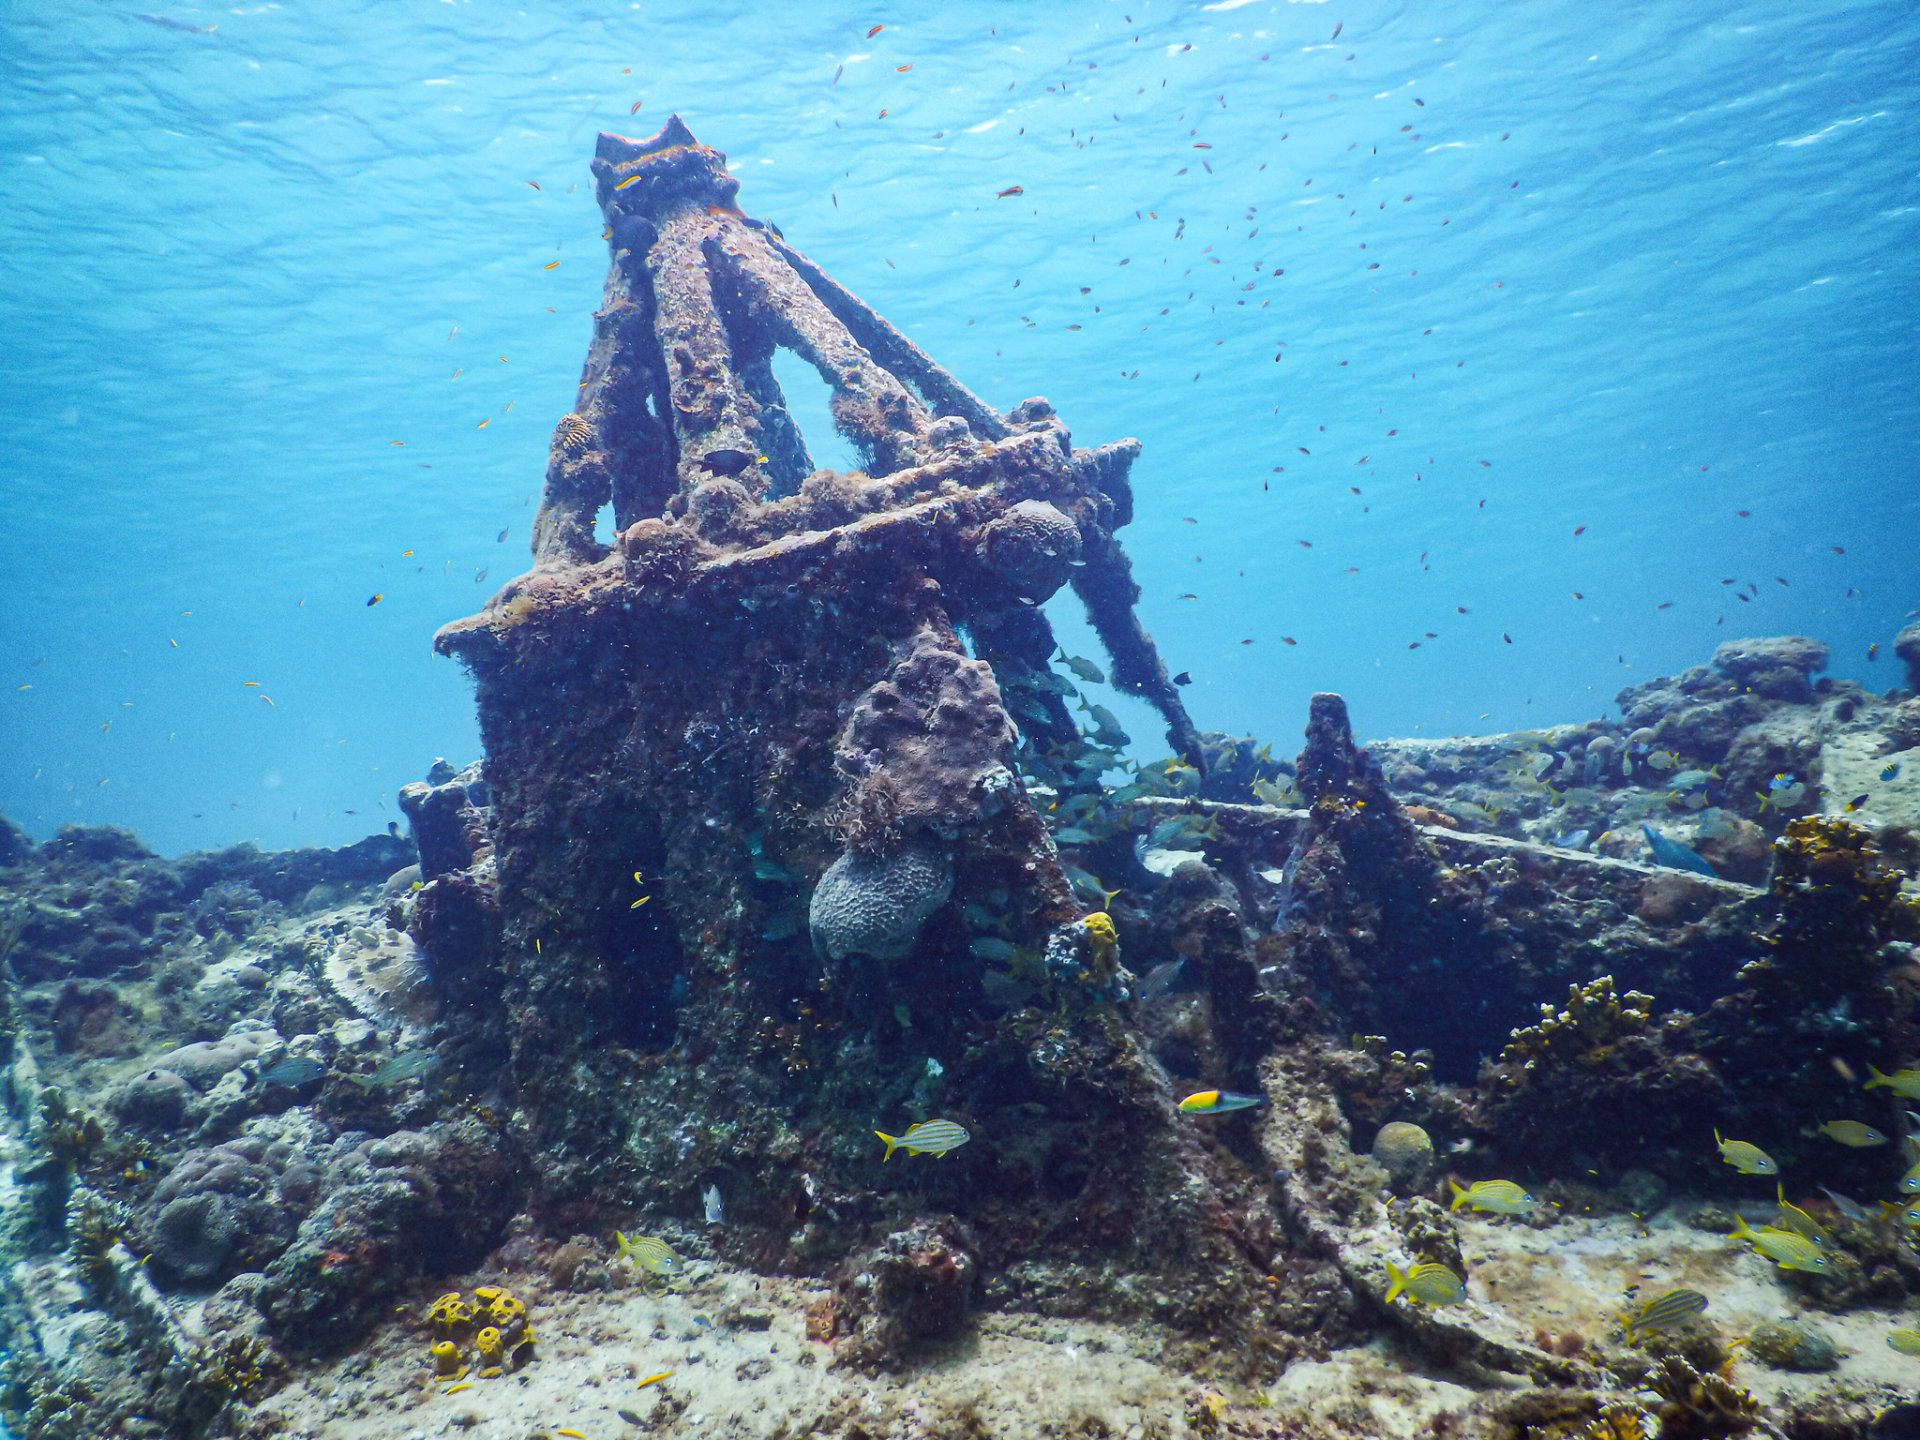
[(1851, 1209), (1160, 979), (714, 1207)]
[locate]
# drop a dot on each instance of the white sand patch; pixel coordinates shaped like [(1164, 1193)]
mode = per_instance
[(1017, 1375)]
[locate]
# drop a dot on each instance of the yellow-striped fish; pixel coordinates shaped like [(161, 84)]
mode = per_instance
[(1666, 1312), (1786, 1249), (649, 1253), (1429, 1284), (1852, 1132), (1910, 1182), (929, 1137), (1503, 1197), (1793, 1218), (1901, 1082), (1907, 1342), (1747, 1159)]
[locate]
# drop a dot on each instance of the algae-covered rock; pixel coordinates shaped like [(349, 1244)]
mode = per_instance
[(1793, 1345)]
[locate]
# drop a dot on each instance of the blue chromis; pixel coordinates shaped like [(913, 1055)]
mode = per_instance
[(929, 1137), (1429, 1284), (1218, 1102), (1666, 1312), (1747, 1159), (1503, 1197), (1674, 855), (1786, 1249)]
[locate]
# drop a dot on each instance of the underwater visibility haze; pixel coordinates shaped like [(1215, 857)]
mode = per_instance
[(654, 703), (1641, 269)]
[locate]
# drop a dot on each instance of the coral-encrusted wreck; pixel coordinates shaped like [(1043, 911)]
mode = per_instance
[(743, 759)]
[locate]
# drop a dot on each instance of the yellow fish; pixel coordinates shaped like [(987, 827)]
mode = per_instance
[(1901, 1082), (929, 1137), (1907, 1342), (1793, 1218), (1747, 1159), (1852, 1132), (1429, 1284), (653, 1255), (1503, 1197), (1786, 1249)]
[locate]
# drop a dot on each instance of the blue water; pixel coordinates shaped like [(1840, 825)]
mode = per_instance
[(1658, 267)]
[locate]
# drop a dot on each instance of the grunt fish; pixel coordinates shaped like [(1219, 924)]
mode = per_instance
[(1901, 1082), (1786, 1249), (1907, 1342), (1502, 1197), (1747, 1159), (1853, 1133), (1429, 1284), (651, 1254), (1793, 1218), (929, 1137), (1666, 1312)]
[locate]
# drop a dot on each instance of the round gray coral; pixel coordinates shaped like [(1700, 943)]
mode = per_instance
[(876, 906), (194, 1235)]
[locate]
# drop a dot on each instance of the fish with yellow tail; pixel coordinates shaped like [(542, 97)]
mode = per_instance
[(1502, 1197), (1793, 1218), (1786, 1249), (1901, 1082), (1665, 1312), (1219, 1102), (652, 1255), (1853, 1133), (929, 1137), (1747, 1159), (1429, 1284)]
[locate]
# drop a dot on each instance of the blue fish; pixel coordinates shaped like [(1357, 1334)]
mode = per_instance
[(1674, 855), (295, 1071), (1892, 772), (1572, 840), (1780, 781)]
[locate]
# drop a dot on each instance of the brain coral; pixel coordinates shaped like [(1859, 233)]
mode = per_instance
[(1405, 1151), (1032, 548), (868, 905)]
